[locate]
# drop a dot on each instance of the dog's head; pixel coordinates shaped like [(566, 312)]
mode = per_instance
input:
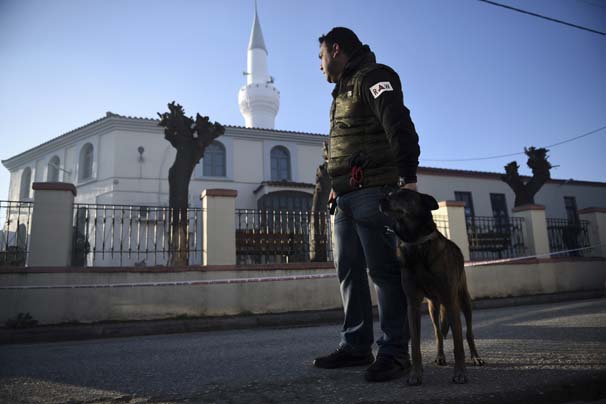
[(410, 210)]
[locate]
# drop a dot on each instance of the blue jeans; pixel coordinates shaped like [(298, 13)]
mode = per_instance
[(361, 242)]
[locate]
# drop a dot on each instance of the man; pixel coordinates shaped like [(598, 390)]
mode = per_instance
[(373, 147)]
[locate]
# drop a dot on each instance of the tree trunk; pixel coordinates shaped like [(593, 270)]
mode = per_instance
[(318, 243), (179, 176)]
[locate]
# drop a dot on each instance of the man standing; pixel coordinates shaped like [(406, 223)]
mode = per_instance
[(373, 145)]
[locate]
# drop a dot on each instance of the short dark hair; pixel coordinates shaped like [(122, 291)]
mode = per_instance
[(346, 38)]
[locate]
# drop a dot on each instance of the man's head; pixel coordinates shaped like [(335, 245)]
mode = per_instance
[(335, 49)]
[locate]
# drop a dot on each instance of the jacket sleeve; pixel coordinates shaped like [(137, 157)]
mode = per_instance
[(382, 92)]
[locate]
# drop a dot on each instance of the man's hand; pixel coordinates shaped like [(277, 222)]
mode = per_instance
[(411, 185), (332, 202), (332, 196)]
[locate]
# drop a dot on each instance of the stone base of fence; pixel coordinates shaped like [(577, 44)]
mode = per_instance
[(256, 294)]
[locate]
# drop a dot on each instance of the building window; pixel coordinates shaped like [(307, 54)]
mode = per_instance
[(499, 211), (286, 201), (499, 206), (52, 174), (466, 197), (572, 215), (26, 183), (280, 164), (214, 160), (86, 162)]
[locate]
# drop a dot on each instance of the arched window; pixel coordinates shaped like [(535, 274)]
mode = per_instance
[(26, 183), (280, 164), (214, 160), (52, 174), (86, 162)]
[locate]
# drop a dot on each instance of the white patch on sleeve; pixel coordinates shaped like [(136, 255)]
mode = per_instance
[(380, 88)]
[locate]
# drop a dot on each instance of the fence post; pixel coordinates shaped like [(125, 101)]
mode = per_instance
[(535, 228), (219, 226), (52, 224), (454, 212), (597, 229)]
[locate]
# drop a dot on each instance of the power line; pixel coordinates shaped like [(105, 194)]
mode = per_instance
[(542, 16), (515, 154)]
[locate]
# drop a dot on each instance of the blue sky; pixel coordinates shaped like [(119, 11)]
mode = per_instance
[(479, 80)]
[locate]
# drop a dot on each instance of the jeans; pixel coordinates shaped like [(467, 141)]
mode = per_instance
[(361, 242)]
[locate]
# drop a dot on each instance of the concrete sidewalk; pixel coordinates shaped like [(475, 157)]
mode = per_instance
[(548, 353)]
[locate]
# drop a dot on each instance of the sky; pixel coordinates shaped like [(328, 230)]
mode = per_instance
[(480, 80)]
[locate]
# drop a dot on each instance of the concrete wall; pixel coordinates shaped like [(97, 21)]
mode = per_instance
[(156, 302)]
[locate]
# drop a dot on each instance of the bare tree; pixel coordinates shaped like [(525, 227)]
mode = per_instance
[(190, 138), (318, 234), (525, 191)]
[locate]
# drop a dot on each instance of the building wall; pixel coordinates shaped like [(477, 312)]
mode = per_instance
[(551, 195), (443, 188)]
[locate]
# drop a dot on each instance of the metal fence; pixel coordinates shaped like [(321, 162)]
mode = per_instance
[(124, 235), (495, 238), (15, 227), (564, 235), (280, 236)]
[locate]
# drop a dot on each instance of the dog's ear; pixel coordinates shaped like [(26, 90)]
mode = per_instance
[(429, 201)]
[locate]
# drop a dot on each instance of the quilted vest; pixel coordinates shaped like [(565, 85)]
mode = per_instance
[(357, 139)]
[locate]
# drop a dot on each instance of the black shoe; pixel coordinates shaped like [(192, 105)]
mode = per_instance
[(386, 368), (342, 358)]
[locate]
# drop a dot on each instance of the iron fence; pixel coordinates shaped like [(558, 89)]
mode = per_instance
[(495, 238), (15, 227), (280, 236), (564, 235), (124, 235)]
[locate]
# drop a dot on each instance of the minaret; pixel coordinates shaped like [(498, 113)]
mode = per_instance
[(259, 99)]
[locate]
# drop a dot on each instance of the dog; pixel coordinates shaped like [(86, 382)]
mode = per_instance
[(432, 267)]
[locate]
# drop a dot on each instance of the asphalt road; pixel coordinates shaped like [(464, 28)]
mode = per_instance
[(542, 353)]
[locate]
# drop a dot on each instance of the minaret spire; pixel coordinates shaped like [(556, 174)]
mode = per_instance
[(259, 99), (256, 35)]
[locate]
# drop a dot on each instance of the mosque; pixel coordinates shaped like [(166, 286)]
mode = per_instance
[(125, 160)]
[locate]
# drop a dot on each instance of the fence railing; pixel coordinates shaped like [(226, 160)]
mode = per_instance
[(564, 235), (280, 236), (495, 238), (15, 228), (124, 235)]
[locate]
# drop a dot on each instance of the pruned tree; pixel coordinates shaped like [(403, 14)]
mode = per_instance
[(190, 138), (318, 235), (525, 191)]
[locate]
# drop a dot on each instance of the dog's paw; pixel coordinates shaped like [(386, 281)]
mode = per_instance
[(414, 379), (477, 361), (460, 377), (440, 360)]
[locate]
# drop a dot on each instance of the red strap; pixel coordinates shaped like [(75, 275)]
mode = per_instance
[(357, 175)]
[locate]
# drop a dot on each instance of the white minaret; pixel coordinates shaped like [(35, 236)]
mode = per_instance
[(259, 99)]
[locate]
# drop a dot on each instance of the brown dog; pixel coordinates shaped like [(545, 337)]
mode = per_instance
[(432, 268)]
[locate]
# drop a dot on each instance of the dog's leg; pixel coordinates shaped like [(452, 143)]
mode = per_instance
[(454, 317), (414, 299), (434, 313), (444, 326), (466, 308)]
